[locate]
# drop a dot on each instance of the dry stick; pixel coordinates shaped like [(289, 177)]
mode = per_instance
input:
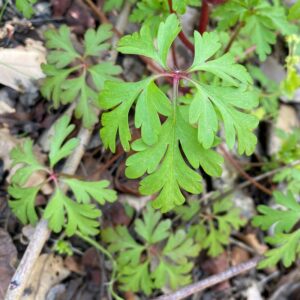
[(211, 281), (247, 182), (42, 232), (243, 173)]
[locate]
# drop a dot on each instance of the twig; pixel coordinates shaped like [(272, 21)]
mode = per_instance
[(211, 281), (247, 183), (243, 173), (204, 16), (234, 36), (42, 232), (101, 16)]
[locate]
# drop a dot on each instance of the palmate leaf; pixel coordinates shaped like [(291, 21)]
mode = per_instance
[(93, 40), (151, 228), (142, 43), (68, 70), (162, 260), (58, 150), (23, 155), (62, 211), (64, 52), (85, 190), (166, 166), (23, 203)]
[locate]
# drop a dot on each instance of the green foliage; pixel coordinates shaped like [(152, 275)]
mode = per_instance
[(61, 211), (260, 21), (285, 239), (294, 11), (214, 228), (25, 7), (292, 81), (159, 258), (289, 153), (64, 248), (152, 12), (169, 151), (268, 92), (68, 70)]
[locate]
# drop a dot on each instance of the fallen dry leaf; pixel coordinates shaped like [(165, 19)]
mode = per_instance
[(20, 66), (239, 255), (48, 271), (8, 258)]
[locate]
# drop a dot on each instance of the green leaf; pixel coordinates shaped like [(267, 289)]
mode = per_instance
[(120, 97), (142, 43), (213, 234), (151, 102), (60, 40), (52, 84), (167, 33), (93, 40), (174, 268), (226, 102), (82, 217), (162, 260), (109, 5), (23, 154), (294, 11), (102, 72), (122, 242), (137, 278), (152, 229), (25, 7), (224, 67), (23, 205), (164, 162), (261, 19), (287, 249), (77, 88), (58, 150), (85, 190), (282, 220), (68, 71)]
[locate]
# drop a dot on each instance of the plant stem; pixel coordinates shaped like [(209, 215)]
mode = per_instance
[(234, 36), (204, 16), (211, 281)]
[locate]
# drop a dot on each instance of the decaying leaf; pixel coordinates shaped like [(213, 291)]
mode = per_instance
[(20, 66)]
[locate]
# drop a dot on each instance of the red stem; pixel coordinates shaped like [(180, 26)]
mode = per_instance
[(204, 16)]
